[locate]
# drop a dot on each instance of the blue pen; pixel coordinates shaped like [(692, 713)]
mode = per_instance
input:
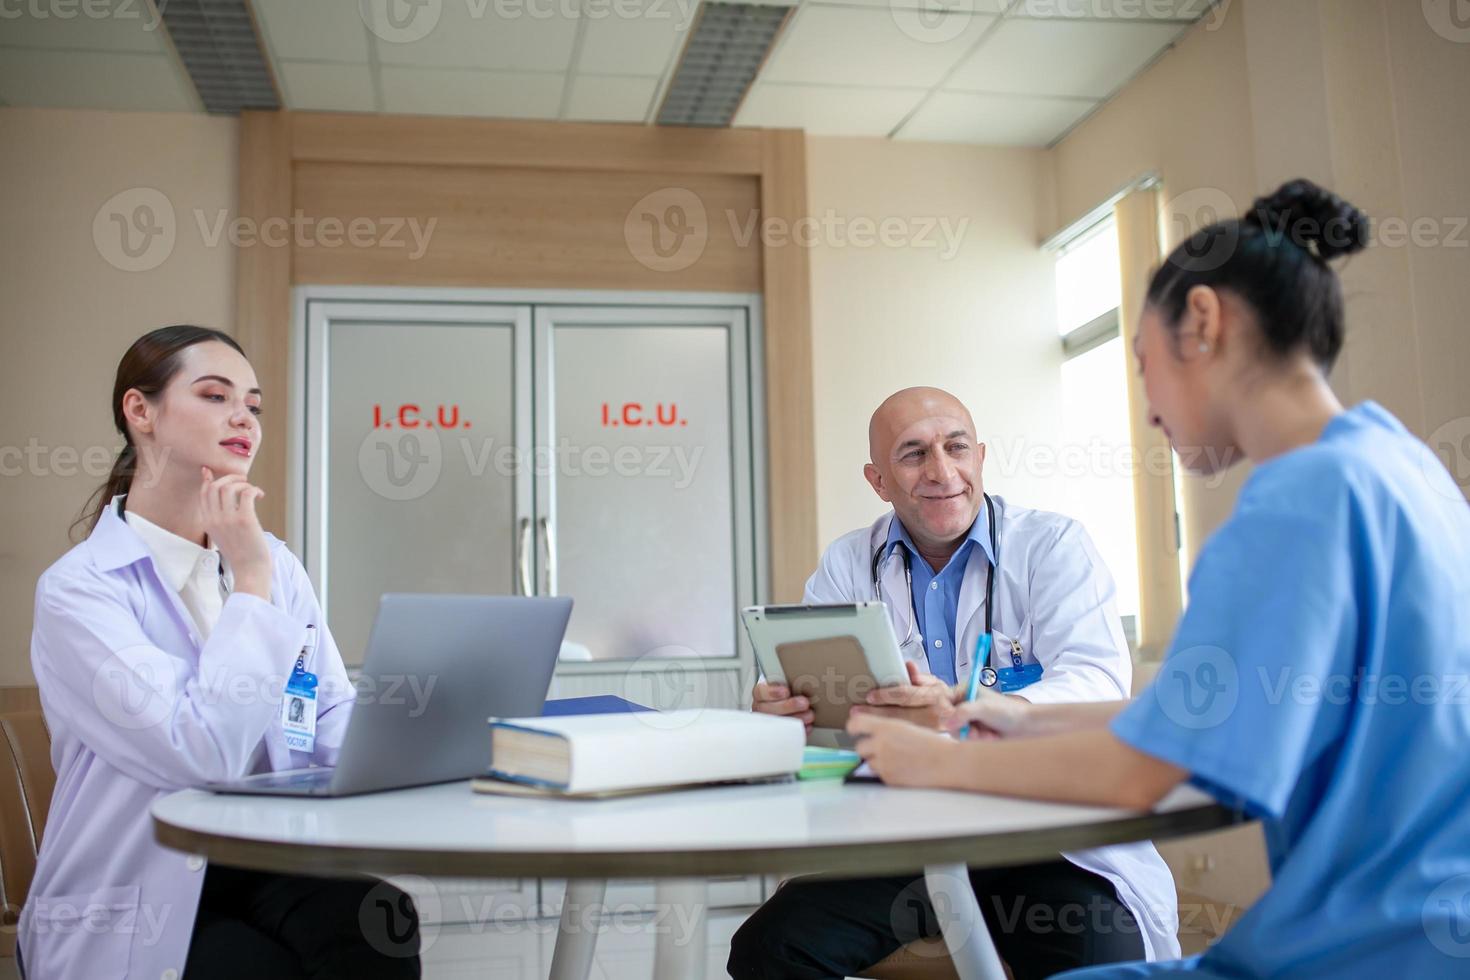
[(309, 647), (981, 663), (982, 657)]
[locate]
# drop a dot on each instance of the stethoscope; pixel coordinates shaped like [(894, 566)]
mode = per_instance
[(986, 641)]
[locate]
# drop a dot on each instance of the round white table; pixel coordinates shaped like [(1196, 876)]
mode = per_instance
[(772, 828)]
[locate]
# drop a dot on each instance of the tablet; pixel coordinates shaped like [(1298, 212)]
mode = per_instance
[(831, 654)]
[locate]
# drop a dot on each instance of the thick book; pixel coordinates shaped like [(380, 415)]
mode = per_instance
[(614, 753)]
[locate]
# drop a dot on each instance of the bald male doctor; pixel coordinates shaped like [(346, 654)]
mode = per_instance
[(1057, 637)]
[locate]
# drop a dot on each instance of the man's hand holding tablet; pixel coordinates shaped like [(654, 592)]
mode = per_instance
[(925, 701), (821, 661), (777, 699)]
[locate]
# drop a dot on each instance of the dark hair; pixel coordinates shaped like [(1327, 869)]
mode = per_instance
[(1274, 257), (149, 365)]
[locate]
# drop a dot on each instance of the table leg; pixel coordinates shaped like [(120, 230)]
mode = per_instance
[(682, 938), (965, 933), (576, 933)]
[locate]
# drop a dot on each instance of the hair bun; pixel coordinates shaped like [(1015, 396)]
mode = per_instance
[(1311, 217)]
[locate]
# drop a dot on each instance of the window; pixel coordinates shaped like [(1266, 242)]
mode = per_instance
[(1088, 281), (1096, 461)]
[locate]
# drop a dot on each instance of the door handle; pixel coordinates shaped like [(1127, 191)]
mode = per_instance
[(548, 540), (523, 556)]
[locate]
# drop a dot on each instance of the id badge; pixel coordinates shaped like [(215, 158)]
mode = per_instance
[(1016, 678), (298, 710)]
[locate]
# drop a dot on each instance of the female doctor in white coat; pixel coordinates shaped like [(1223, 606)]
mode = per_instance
[(161, 647)]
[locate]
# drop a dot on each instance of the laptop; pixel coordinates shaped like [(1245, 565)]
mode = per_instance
[(437, 668)]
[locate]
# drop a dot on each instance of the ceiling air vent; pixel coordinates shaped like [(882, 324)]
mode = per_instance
[(216, 42)]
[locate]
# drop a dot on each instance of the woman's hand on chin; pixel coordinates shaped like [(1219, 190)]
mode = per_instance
[(227, 506)]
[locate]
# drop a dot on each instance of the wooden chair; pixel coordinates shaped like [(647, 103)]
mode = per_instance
[(26, 782), (926, 959)]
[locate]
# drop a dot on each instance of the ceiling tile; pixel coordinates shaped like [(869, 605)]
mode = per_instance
[(326, 88), (456, 92), (1134, 10), (98, 25), (1061, 57), (884, 48), (610, 98), (614, 43), (95, 80), (509, 35), (935, 7), (827, 110), (309, 30), (995, 120)]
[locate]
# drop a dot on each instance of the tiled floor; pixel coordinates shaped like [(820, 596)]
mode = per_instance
[(522, 950)]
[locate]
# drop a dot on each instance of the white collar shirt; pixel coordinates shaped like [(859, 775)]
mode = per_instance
[(199, 575)]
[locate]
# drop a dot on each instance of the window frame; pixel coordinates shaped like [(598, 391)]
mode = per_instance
[(1092, 335), (1105, 327)]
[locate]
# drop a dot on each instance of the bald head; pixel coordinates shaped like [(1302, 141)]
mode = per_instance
[(926, 462), (902, 409)]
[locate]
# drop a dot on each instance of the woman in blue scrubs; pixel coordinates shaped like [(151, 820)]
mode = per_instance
[(1320, 679)]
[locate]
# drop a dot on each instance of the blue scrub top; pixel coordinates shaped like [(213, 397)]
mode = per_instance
[(1320, 681)]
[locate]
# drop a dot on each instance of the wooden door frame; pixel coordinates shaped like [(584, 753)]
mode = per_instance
[(271, 143)]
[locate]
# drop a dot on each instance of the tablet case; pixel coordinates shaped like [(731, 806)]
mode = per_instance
[(831, 673)]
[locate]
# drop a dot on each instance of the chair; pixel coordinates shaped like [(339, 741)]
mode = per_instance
[(926, 959), (26, 782)]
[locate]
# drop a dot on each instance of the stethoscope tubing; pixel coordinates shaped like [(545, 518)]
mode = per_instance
[(988, 677)]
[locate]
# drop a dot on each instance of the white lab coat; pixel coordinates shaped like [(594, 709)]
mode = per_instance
[(138, 708), (1054, 594)]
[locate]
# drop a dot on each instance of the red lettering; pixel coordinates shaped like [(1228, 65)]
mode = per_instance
[(633, 413), (407, 412), (673, 413), (451, 423)]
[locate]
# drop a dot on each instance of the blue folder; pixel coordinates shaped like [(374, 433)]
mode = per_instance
[(602, 704)]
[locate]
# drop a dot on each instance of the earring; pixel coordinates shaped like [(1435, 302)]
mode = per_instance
[(1204, 348)]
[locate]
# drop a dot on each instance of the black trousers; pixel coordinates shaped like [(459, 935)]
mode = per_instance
[(252, 924), (1044, 918)]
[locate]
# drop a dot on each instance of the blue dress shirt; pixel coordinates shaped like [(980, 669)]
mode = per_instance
[(936, 596)]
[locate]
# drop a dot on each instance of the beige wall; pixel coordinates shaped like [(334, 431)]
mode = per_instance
[(979, 322), (884, 317), (1430, 78), (68, 313), (1369, 98), (1362, 95), (1188, 119)]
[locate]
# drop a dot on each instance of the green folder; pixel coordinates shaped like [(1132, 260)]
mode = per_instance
[(824, 763)]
